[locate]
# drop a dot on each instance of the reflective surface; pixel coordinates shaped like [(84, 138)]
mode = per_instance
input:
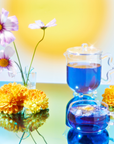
[(54, 127)]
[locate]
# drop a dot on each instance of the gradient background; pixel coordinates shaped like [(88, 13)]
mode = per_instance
[(78, 21)]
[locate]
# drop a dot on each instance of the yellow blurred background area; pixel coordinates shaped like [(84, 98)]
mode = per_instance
[(78, 21)]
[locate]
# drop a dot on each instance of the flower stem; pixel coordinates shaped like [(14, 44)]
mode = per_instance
[(41, 136), (21, 137), (32, 138), (20, 67), (33, 56)]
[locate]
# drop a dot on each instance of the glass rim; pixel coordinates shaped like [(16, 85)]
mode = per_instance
[(69, 50), (97, 101)]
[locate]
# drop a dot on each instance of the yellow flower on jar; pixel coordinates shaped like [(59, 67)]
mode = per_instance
[(37, 100), (12, 98), (108, 96)]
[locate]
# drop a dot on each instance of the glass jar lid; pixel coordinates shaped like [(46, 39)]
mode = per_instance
[(84, 50)]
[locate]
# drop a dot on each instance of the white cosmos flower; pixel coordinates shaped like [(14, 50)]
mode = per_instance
[(6, 62), (7, 24), (39, 24)]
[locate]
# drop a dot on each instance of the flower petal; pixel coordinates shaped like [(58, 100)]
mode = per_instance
[(1, 54), (8, 37), (2, 39), (4, 15), (51, 23), (39, 23), (1, 69), (13, 19), (11, 24), (11, 69), (8, 52), (33, 26)]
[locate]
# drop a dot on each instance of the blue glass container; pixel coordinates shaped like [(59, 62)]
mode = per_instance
[(76, 98), (101, 137), (83, 69), (88, 116)]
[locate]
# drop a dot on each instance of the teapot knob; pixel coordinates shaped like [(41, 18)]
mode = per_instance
[(84, 46)]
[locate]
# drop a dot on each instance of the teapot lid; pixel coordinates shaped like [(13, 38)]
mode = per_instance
[(84, 50)]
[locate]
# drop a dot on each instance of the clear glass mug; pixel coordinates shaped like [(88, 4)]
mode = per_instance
[(83, 68), (89, 116)]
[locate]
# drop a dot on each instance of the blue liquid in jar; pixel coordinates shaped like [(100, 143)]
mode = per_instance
[(83, 77)]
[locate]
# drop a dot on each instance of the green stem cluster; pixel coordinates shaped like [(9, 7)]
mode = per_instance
[(25, 82)]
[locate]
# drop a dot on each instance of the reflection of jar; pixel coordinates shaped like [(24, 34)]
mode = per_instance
[(84, 138), (88, 116), (76, 99)]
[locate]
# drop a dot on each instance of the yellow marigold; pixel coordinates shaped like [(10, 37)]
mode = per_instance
[(12, 98), (36, 101), (108, 96)]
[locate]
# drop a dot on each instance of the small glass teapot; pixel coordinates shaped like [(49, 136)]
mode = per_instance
[(89, 116), (83, 68)]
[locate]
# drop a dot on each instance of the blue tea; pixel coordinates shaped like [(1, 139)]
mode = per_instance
[(83, 77)]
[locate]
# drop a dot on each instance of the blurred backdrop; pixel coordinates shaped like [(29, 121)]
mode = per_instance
[(78, 21)]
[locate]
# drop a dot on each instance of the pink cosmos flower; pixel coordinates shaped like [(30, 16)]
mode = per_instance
[(39, 24), (6, 63), (7, 24)]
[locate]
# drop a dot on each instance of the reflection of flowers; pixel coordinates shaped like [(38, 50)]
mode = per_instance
[(108, 96), (36, 120), (12, 97), (9, 122), (18, 123), (5, 61), (36, 101)]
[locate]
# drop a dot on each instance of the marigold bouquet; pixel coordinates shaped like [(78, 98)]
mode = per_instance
[(14, 97)]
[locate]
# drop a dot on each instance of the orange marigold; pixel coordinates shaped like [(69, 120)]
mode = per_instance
[(12, 98), (37, 100), (108, 96)]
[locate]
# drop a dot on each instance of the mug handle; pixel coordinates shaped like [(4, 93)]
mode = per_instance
[(108, 72), (111, 114), (111, 123)]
